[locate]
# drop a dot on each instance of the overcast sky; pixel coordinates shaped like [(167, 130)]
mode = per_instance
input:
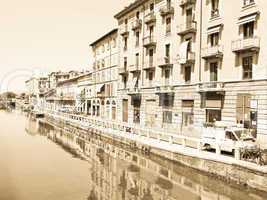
[(39, 36)]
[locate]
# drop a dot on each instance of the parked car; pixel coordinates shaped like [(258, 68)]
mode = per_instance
[(228, 138)]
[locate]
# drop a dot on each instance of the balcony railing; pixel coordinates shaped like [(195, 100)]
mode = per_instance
[(211, 86), (165, 87), (134, 68), (252, 44), (165, 62), (215, 13), (149, 65), (134, 90), (124, 29), (166, 10), (136, 24), (123, 70), (149, 18), (149, 41), (191, 57), (189, 27), (214, 51), (186, 2)]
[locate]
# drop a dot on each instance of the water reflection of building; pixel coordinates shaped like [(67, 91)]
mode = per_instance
[(120, 174)]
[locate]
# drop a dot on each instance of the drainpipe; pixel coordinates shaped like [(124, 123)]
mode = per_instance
[(142, 75), (200, 42)]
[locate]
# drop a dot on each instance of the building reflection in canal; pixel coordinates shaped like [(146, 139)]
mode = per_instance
[(119, 173)]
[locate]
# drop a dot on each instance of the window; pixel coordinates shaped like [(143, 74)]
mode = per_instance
[(125, 43), (124, 79), (151, 31), (213, 115), (114, 43), (189, 48), (247, 67), (248, 29), (214, 8), (166, 75), (125, 63), (125, 110), (167, 51), (187, 75), (151, 7), (214, 71), (214, 39), (137, 59), (137, 35), (167, 117), (188, 119), (248, 2), (137, 15), (151, 54), (168, 4), (243, 108), (168, 25), (189, 18), (150, 75)]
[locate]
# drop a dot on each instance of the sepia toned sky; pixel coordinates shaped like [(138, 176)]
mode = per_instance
[(39, 36)]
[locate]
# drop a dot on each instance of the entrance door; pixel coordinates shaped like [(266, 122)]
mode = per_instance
[(150, 112)]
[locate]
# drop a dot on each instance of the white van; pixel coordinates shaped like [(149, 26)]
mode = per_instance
[(227, 138)]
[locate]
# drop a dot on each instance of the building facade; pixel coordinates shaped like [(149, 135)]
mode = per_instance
[(187, 64), (102, 93)]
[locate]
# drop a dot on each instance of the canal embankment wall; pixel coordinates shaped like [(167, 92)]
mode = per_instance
[(223, 167)]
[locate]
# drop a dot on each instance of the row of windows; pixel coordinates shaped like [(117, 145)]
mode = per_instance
[(106, 47), (105, 75)]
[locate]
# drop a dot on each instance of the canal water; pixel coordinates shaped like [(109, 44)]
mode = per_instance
[(39, 161)]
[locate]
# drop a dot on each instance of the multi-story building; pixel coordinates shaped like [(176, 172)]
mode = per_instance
[(103, 90), (84, 89), (36, 88), (188, 63), (55, 77)]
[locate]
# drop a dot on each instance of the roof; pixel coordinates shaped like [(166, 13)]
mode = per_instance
[(104, 36), (129, 8), (73, 79)]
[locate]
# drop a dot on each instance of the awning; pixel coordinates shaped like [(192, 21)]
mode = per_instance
[(183, 52), (247, 19), (99, 87), (214, 29)]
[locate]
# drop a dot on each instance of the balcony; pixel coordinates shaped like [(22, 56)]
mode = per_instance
[(149, 41), (124, 30), (123, 70), (212, 52), (189, 27), (184, 3), (150, 18), (215, 14), (134, 68), (165, 62), (149, 65), (136, 24), (166, 10), (191, 58), (133, 91), (164, 88), (211, 87), (247, 44)]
